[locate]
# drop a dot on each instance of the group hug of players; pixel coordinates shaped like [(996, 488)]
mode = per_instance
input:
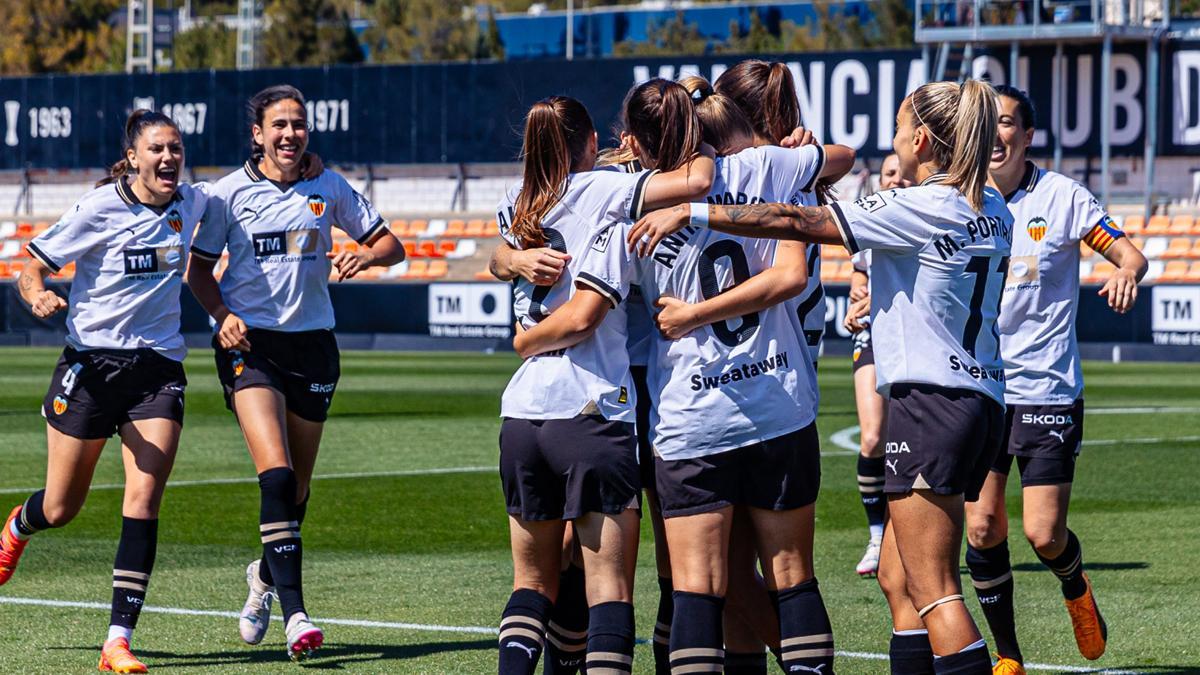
[(669, 346), (669, 314)]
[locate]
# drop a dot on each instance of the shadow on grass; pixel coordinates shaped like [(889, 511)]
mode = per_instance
[(333, 656)]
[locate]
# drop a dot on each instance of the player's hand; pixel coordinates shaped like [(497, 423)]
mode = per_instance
[(47, 304), (311, 166), (859, 292), (348, 264), (676, 318), (1121, 290), (540, 266), (799, 138), (654, 226), (232, 334), (855, 313)]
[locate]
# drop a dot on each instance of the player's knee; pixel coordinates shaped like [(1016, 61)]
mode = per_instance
[(60, 513), (987, 530), (868, 443), (1045, 540)]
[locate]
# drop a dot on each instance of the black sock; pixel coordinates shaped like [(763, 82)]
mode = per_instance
[(521, 629), (567, 630), (971, 661), (662, 627), (805, 634), (1068, 567), (610, 637), (264, 570), (131, 570), (910, 653), (696, 637), (747, 663), (991, 574), (280, 533), (33, 519), (870, 489)]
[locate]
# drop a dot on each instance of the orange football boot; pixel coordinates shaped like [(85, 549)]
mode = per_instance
[(10, 547), (1091, 633), (1007, 666), (115, 657)]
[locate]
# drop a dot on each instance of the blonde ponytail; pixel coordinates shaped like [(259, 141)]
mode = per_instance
[(961, 121)]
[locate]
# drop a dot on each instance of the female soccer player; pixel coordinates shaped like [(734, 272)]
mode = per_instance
[(1044, 422), (121, 370), (275, 350), (940, 250), (766, 93), (868, 401), (567, 446), (722, 297)]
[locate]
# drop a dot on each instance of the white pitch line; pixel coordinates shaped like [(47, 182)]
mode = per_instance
[(254, 479), (436, 628)]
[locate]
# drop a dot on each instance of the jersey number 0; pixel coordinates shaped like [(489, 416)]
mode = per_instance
[(706, 267)]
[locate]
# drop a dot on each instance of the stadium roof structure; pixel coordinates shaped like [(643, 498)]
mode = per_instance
[(955, 27)]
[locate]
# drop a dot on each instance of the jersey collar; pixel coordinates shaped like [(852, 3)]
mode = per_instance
[(1028, 181), (257, 176), (936, 179), (127, 195)]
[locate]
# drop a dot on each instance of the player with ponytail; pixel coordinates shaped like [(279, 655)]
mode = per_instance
[(939, 255)]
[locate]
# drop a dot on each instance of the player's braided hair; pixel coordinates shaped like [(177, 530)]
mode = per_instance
[(256, 108), (660, 115), (961, 121), (722, 121), (557, 131), (138, 121)]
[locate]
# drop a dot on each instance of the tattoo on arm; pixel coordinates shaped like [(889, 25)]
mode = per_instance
[(806, 223), (26, 282)]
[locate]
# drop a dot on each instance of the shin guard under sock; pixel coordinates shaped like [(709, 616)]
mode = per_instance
[(1068, 567), (280, 533), (696, 632), (567, 630), (910, 653), (522, 627), (662, 627), (610, 638), (870, 490), (131, 570), (991, 574), (806, 636), (973, 660)]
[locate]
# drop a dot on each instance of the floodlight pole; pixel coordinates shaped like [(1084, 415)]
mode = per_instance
[(570, 30), (139, 36)]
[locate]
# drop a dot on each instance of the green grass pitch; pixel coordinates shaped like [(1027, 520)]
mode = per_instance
[(431, 549)]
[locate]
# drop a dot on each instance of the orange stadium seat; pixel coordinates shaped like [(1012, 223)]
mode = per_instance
[(24, 230), (447, 246), (68, 270), (830, 252), (1134, 224), (1195, 252), (844, 269), (5, 272), (1158, 225), (437, 269), (350, 247), (1181, 225), (1193, 273), (455, 228), (1138, 243), (417, 227), (1180, 247), (410, 248), (417, 269), (40, 227), (476, 227), (484, 275), (427, 249), (1174, 272), (400, 227), (828, 272), (336, 247), (15, 267), (1100, 273)]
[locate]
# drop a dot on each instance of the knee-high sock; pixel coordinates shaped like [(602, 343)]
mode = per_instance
[(567, 630), (131, 572), (610, 638), (32, 518), (280, 532), (264, 570), (910, 653), (748, 663), (972, 660), (696, 633), (991, 574), (522, 627), (805, 634), (662, 627), (870, 490), (1068, 567)]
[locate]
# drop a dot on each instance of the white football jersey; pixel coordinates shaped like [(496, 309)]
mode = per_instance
[(277, 236), (129, 263), (1053, 214), (937, 272), (746, 380), (589, 223)]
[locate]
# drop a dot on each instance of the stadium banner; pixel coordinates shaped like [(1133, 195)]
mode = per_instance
[(475, 310), (472, 112), (1164, 315), (1176, 315)]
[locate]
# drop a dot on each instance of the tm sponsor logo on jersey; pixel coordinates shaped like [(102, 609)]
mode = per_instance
[(744, 372), (285, 246), (979, 229), (142, 264), (957, 364)]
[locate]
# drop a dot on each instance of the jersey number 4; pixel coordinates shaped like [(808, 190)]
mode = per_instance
[(980, 266), (537, 310), (706, 267)]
